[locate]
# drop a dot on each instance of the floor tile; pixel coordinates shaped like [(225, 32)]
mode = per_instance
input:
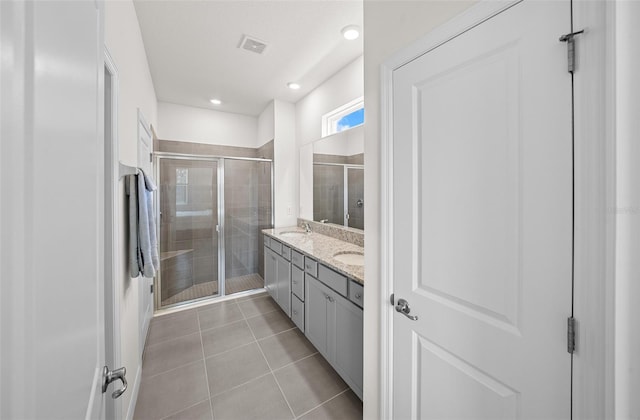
[(172, 391), (287, 347), (235, 367), (258, 306), (346, 406), (171, 326), (172, 354), (220, 339), (201, 411), (259, 399), (308, 383), (270, 323), (219, 314)]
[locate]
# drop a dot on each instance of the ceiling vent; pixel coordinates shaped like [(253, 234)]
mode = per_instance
[(253, 44)]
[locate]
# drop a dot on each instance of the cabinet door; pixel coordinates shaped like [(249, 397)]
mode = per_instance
[(270, 267), (348, 342), (283, 284), (317, 315), (297, 282)]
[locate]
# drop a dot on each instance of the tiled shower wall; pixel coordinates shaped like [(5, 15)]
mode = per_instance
[(328, 193), (247, 212)]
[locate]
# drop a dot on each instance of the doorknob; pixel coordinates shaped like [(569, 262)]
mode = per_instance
[(403, 308), (109, 376)]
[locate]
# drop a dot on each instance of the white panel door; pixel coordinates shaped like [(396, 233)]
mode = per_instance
[(482, 222), (52, 296)]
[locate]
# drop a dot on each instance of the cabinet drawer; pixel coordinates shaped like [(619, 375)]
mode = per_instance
[(356, 293), (276, 246), (286, 252), (297, 282), (267, 241), (297, 312), (336, 281), (297, 259), (311, 266)]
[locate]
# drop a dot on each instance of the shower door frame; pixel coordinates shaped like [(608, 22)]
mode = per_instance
[(220, 160)]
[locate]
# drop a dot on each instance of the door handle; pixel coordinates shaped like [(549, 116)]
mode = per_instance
[(403, 307), (109, 376)]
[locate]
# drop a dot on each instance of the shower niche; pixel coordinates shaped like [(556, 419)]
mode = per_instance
[(211, 211)]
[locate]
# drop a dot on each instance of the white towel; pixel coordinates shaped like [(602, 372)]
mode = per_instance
[(131, 184), (143, 243), (148, 243)]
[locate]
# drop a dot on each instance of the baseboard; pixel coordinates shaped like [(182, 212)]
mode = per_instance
[(134, 394)]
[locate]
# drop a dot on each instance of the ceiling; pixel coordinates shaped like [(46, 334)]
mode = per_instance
[(193, 54)]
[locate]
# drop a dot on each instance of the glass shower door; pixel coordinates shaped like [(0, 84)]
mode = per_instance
[(247, 210), (355, 197), (188, 230)]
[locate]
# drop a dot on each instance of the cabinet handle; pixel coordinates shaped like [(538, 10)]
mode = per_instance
[(358, 295)]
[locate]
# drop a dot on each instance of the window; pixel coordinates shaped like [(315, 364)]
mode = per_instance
[(347, 116), (182, 182)]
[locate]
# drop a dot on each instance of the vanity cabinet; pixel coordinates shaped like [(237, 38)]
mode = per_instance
[(334, 326), (277, 274), (323, 303)]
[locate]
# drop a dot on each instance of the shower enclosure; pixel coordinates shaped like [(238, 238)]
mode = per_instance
[(211, 211)]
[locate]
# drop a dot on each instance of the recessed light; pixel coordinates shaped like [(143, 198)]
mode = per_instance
[(215, 101), (293, 86), (351, 32)]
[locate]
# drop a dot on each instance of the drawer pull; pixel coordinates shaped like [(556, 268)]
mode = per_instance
[(295, 312), (295, 281), (358, 296)]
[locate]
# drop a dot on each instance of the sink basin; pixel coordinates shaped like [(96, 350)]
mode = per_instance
[(350, 258), (292, 233)]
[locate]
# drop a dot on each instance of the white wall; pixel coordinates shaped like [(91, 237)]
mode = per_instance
[(124, 42), (341, 88), (627, 312), (266, 127), (286, 164), (388, 27), (200, 125), (306, 181)]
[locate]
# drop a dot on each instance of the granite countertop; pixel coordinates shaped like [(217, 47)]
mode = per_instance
[(322, 248)]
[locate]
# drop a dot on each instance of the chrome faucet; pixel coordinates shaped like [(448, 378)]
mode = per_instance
[(306, 226)]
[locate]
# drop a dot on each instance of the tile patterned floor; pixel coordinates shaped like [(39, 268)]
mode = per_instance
[(233, 285), (236, 360)]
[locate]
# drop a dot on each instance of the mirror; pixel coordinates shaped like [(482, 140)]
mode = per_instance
[(332, 179)]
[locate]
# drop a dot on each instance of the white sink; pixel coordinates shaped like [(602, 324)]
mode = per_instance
[(292, 233), (350, 258)]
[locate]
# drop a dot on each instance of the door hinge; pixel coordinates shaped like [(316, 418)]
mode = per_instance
[(151, 288), (571, 49), (571, 335)]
